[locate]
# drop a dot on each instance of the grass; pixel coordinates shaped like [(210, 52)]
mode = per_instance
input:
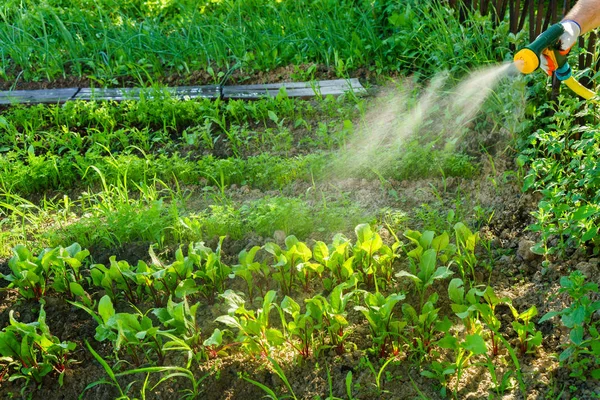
[(110, 43)]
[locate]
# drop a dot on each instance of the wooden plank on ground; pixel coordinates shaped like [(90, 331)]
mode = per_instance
[(101, 94), (294, 89), (37, 96), (117, 94)]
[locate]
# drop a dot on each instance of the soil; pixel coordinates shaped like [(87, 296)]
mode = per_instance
[(517, 273)]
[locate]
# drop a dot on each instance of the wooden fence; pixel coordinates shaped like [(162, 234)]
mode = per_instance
[(540, 14)]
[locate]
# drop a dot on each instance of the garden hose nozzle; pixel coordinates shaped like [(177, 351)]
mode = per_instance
[(527, 59)]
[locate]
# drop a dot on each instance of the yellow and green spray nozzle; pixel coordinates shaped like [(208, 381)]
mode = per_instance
[(527, 59)]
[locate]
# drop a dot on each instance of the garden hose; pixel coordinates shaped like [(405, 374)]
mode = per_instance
[(527, 60)]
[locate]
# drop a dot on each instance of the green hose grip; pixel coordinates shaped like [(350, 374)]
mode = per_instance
[(547, 39)]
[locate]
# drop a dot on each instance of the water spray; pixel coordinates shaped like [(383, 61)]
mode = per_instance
[(527, 59)]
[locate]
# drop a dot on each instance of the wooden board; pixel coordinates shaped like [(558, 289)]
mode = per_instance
[(293, 89), (116, 94), (37, 96)]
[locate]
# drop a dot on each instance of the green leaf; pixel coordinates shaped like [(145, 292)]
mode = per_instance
[(590, 234), (426, 239), (583, 212), (443, 325), (576, 335), (272, 116), (186, 287), (456, 291), (320, 252), (105, 308), (229, 321), (448, 342), (427, 264), (77, 289), (9, 346), (290, 306), (529, 314), (441, 242), (474, 344), (275, 337), (575, 317), (442, 273), (566, 354), (215, 339), (363, 232), (548, 316), (536, 339), (409, 275)]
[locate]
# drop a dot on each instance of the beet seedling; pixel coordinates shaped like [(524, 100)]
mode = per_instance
[(125, 330), (465, 305), (250, 270), (330, 315), (301, 327), (289, 263), (32, 350), (57, 268), (180, 319), (424, 274), (466, 241), (424, 326), (385, 329), (529, 337), (209, 272), (336, 260), (372, 257), (253, 329)]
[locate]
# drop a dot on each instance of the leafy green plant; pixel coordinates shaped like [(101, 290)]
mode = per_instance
[(251, 271), (423, 327), (336, 259), (57, 268), (133, 333), (372, 259), (424, 260), (386, 330), (529, 337), (33, 351), (330, 315), (582, 353), (253, 329), (172, 372), (487, 311), (301, 327), (180, 321), (291, 263), (199, 272), (478, 309), (120, 278), (210, 273), (465, 259), (465, 305)]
